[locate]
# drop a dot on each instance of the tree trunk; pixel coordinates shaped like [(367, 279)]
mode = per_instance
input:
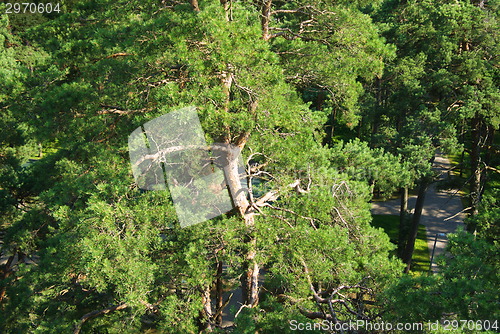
[(4, 274), (374, 128), (194, 4), (250, 279), (462, 155), (490, 136), (412, 234), (250, 283), (265, 18), (227, 9), (331, 133), (227, 82), (403, 212), (219, 293), (475, 164), (206, 313), (360, 126)]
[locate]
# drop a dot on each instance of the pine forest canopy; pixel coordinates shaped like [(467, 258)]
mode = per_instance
[(329, 102)]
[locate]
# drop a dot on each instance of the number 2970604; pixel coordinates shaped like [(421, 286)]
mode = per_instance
[(32, 8)]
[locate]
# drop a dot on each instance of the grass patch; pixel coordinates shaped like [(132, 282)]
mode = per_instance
[(36, 156), (421, 256), (390, 225), (455, 162)]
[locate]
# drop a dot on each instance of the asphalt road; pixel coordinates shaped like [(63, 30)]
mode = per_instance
[(441, 214)]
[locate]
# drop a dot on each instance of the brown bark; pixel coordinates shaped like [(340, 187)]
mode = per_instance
[(232, 176), (412, 234), (227, 9), (219, 293), (206, 313), (194, 4), (227, 81), (250, 284), (265, 18), (94, 314)]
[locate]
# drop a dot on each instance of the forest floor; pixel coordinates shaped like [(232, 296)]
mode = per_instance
[(442, 213)]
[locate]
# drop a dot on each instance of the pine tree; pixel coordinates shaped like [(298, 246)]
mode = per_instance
[(113, 258)]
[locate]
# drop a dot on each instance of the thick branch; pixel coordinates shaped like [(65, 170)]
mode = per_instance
[(160, 154), (273, 194), (94, 314), (119, 110), (194, 4), (119, 54), (493, 169), (265, 18)]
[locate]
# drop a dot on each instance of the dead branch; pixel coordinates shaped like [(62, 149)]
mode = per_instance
[(341, 218), (493, 169), (298, 189), (273, 194), (219, 311), (317, 296), (311, 220), (94, 314), (119, 110), (336, 188), (151, 307), (456, 214), (119, 54), (241, 308), (269, 196), (160, 154)]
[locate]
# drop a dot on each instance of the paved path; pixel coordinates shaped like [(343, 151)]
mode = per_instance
[(439, 206)]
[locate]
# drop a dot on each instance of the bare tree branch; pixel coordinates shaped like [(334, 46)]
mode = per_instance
[(311, 220), (119, 110), (94, 314)]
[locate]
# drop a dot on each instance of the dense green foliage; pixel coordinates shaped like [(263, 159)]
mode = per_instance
[(89, 251), (467, 287)]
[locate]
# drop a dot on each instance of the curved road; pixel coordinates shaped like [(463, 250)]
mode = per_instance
[(441, 213)]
